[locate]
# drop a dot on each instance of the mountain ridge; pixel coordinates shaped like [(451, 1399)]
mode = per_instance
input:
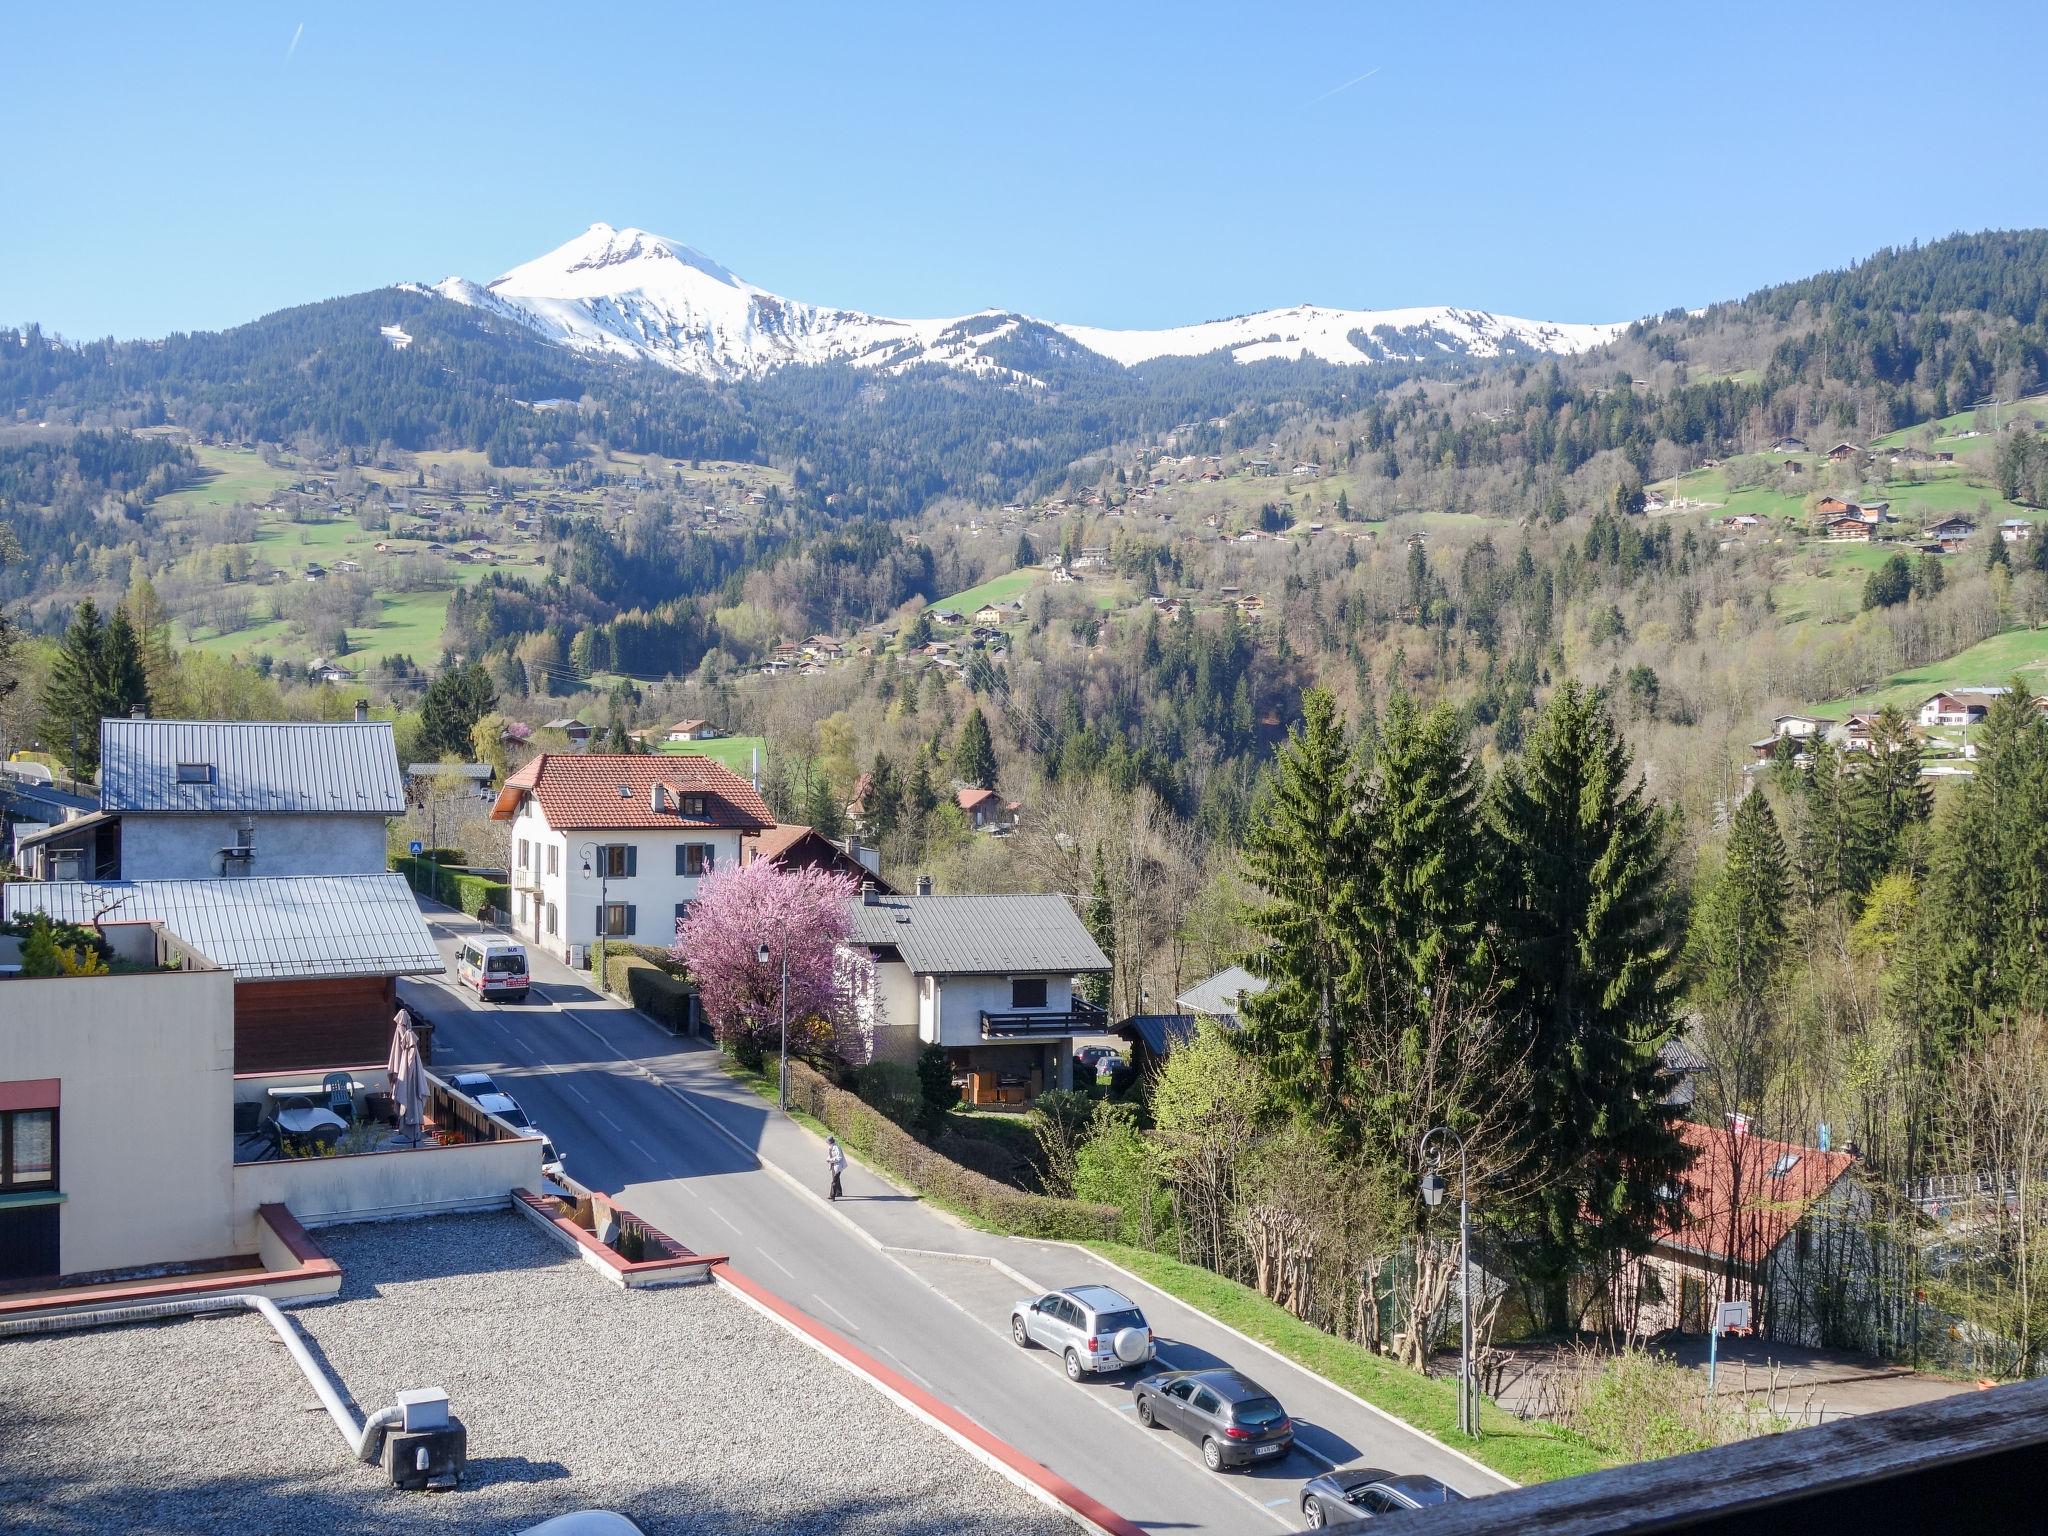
[(628, 293)]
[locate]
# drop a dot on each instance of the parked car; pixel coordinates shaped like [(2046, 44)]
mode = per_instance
[(472, 1085), (1090, 1327), (1232, 1418), (551, 1161), (506, 1108), (1359, 1493), (1100, 1057)]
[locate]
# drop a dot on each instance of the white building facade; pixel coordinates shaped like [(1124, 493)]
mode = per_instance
[(606, 845)]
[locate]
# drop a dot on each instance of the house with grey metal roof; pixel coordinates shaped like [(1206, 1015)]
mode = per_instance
[(990, 978), (1218, 997), (206, 799), (316, 958)]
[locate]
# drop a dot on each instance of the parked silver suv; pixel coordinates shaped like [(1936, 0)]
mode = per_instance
[(1090, 1327)]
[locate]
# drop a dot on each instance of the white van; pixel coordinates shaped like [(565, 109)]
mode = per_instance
[(495, 967)]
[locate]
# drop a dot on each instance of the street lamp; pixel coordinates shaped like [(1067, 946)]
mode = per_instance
[(593, 854), (782, 1073), (1433, 1191)]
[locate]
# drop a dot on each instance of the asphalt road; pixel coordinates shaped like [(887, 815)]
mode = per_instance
[(653, 1121)]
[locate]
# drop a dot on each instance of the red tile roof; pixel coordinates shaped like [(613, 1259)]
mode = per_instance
[(1780, 1183), (581, 792), (971, 798)]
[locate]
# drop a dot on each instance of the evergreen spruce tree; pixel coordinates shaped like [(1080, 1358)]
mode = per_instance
[(74, 694), (123, 682), (1101, 923), (884, 806), (453, 704), (1303, 850), (974, 754), (1889, 798), (1982, 955), (1580, 857)]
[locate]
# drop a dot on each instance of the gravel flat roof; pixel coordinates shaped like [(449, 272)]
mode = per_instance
[(681, 1408)]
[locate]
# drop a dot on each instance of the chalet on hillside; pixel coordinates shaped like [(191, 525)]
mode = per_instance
[(1843, 451), (1958, 706)]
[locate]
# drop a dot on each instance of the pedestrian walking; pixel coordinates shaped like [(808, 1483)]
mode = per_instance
[(835, 1163)]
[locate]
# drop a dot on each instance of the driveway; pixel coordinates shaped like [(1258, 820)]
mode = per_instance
[(655, 1121)]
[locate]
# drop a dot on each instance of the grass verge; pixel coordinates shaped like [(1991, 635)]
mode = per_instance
[(1529, 1451)]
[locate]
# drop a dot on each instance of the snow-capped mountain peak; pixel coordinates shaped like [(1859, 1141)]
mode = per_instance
[(631, 294)]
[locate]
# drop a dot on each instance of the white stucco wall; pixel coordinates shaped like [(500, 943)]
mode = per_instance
[(145, 1129), (961, 1000), (892, 1013), (653, 890), (376, 1185), (187, 847)]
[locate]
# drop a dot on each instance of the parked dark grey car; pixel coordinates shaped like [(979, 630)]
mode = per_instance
[(1232, 1418), (1359, 1493)]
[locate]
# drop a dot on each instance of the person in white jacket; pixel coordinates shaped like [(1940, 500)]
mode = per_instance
[(835, 1164)]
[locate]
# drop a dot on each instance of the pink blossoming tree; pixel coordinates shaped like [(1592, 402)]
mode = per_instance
[(739, 909)]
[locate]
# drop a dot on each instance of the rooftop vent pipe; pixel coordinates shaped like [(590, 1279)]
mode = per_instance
[(138, 712), (362, 711), (924, 885), (365, 1440)]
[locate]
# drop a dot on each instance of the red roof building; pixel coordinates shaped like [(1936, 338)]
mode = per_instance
[(610, 791)]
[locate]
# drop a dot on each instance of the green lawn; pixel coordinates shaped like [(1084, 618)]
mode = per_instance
[(1529, 1451), (1989, 664), (736, 752), (1835, 593), (1947, 427), (233, 476), (997, 589)]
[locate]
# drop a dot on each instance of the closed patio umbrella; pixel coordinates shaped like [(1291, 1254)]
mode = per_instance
[(408, 1078)]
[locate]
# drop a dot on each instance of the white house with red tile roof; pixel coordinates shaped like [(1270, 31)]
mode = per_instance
[(614, 844)]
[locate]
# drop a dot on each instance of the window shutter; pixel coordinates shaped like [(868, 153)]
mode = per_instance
[(632, 923), (682, 862), (632, 858)]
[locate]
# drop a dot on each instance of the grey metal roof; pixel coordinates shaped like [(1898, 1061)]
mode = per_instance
[(980, 935), (258, 765), (1161, 1032), (274, 928), (1217, 997)]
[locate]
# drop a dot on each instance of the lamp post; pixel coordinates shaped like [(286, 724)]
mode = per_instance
[(1433, 1190), (592, 853), (782, 1072)]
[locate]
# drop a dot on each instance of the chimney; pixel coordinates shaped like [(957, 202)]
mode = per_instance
[(362, 711), (657, 798), (924, 885), (138, 712), (869, 896)]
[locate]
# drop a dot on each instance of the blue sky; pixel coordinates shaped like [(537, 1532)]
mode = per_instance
[(186, 167)]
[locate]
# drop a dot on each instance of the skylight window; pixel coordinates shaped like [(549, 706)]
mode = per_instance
[(1784, 1165), (195, 773)]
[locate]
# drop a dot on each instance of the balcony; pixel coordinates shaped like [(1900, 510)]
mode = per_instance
[(1079, 1018)]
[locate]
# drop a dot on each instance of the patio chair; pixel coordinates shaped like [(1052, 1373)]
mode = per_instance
[(248, 1115), (296, 1101), (321, 1139), (338, 1087)]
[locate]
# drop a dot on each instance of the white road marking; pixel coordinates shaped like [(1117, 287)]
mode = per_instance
[(728, 1221), (1276, 1503), (638, 1148), (608, 1120), (776, 1262), (839, 1314)]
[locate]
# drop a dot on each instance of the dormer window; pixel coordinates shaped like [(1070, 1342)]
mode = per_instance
[(195, 773), (689, 805)]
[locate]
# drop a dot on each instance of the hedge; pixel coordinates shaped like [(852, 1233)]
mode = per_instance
[(662, 997), (458, 888), (881, 1140)]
